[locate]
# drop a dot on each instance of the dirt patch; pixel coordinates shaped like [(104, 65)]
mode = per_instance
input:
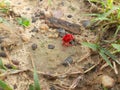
[(82, 72)]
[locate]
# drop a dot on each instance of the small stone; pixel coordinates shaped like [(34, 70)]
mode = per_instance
[(27, 8), (15, 86), (34, 46), (15, 62), (86, 23), (52, 87), (67, 61), (44, 27), (3, 54), (61, 32), (53, 35), (25, 38), (73, 42), (34, 29), (50, 46), (69, 16), (34, 19), (107, 81), (9, 66)]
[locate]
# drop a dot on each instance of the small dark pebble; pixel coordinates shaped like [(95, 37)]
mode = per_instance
[(69, 16), (15, 62), (27, 8), (52, 87), (15, 86), (34, 30), (61, 32), (19, 3), (37, 14), (34, 46), (50, 46), (3, 54), (2, 48), (86, 23), (9, 66), (34, 19), (73, 42), (67, 61)]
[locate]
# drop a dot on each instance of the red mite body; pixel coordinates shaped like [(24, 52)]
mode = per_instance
[(67, 39)]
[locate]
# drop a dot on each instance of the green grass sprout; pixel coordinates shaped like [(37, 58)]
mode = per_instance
[(23, 21)]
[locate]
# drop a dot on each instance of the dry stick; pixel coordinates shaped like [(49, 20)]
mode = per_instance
[(75, 82), (103, 66), (33, 64), (84, 57), (92, 67), (61, 87), (115, 68), (13, 72), (59, 23), (8, 56)]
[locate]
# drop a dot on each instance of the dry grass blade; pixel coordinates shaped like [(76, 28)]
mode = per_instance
[(75, 82), (115, 68)]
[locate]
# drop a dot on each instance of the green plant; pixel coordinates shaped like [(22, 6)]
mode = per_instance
[(117, 47), (23, 21), (36, 85), (2, 65), (4, 86), (109, 14), (103, 52), (4, 6)]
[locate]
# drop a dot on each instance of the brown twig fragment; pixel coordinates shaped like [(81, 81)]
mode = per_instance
[(59, 23), (115, 68), (75, 82)]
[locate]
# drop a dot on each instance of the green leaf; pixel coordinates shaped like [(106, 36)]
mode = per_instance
[(31, 87), (116, 46), (4, 86), (2, 65), (113, 57), (91, 45), (102, 54), (36, 80), (117, 30), (23, 21)]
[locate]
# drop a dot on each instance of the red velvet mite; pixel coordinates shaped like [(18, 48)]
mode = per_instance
[(67, 39)]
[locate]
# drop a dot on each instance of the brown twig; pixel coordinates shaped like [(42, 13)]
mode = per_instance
[(75, 82), (115, 68), (59, 23), (103, 66), (84, 57)]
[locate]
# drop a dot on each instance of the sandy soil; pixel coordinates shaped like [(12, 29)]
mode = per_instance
[(49, 61)]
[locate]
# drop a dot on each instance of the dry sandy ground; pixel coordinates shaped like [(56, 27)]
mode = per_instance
[(49, 60)]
